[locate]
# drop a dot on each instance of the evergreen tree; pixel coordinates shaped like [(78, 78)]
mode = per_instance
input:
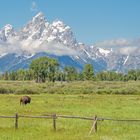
[(138, 74), (12, 76), (71, 73), (101, 76), (21, 75), (132, 75), (6, 76), (88, 72)]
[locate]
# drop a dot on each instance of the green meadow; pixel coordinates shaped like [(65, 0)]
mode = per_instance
[(118, 100)]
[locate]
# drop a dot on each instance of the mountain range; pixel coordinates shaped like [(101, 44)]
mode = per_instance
[(41, 38)]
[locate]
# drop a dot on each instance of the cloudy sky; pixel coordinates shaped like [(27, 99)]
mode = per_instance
[(91, 20)]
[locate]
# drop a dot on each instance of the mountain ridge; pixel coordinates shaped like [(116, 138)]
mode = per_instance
[(39, 37)]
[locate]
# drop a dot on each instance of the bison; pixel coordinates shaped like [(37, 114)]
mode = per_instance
[(25, 99)]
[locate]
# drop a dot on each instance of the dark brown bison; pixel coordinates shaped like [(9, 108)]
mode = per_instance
[(24, 100)]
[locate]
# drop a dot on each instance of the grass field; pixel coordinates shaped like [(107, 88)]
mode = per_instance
[(112, 106)]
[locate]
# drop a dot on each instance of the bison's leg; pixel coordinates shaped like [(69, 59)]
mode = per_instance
[(20, 102)]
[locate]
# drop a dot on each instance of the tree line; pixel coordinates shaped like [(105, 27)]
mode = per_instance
[(48, 69)]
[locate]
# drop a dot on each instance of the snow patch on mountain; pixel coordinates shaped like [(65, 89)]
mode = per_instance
[(2, 55), (104, 52), (126, 60)]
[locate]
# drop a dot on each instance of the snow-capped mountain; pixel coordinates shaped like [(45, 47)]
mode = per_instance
[(41, 38), (7, 32)]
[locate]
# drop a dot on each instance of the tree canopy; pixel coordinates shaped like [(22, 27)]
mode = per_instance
[(88, 72), (44, 68)]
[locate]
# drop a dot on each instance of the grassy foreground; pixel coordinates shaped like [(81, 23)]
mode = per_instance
[(112, 106)]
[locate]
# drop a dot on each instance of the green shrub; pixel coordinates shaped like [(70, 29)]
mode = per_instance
[(27, 91), (4, 90)]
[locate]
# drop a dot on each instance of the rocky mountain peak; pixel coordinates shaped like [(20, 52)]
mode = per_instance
[(38, 18), (6, 32)]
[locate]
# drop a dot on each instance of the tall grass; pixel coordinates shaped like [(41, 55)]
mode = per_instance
[(86, 87)]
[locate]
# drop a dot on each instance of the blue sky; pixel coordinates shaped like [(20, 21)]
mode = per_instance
[(91, 20)]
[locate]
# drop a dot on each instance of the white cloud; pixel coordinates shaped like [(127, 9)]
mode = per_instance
[(128, 50), (123, 46), (57, 49), (10, 48), (34, 6), (32, 47), (51, 47), (114, 43)]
